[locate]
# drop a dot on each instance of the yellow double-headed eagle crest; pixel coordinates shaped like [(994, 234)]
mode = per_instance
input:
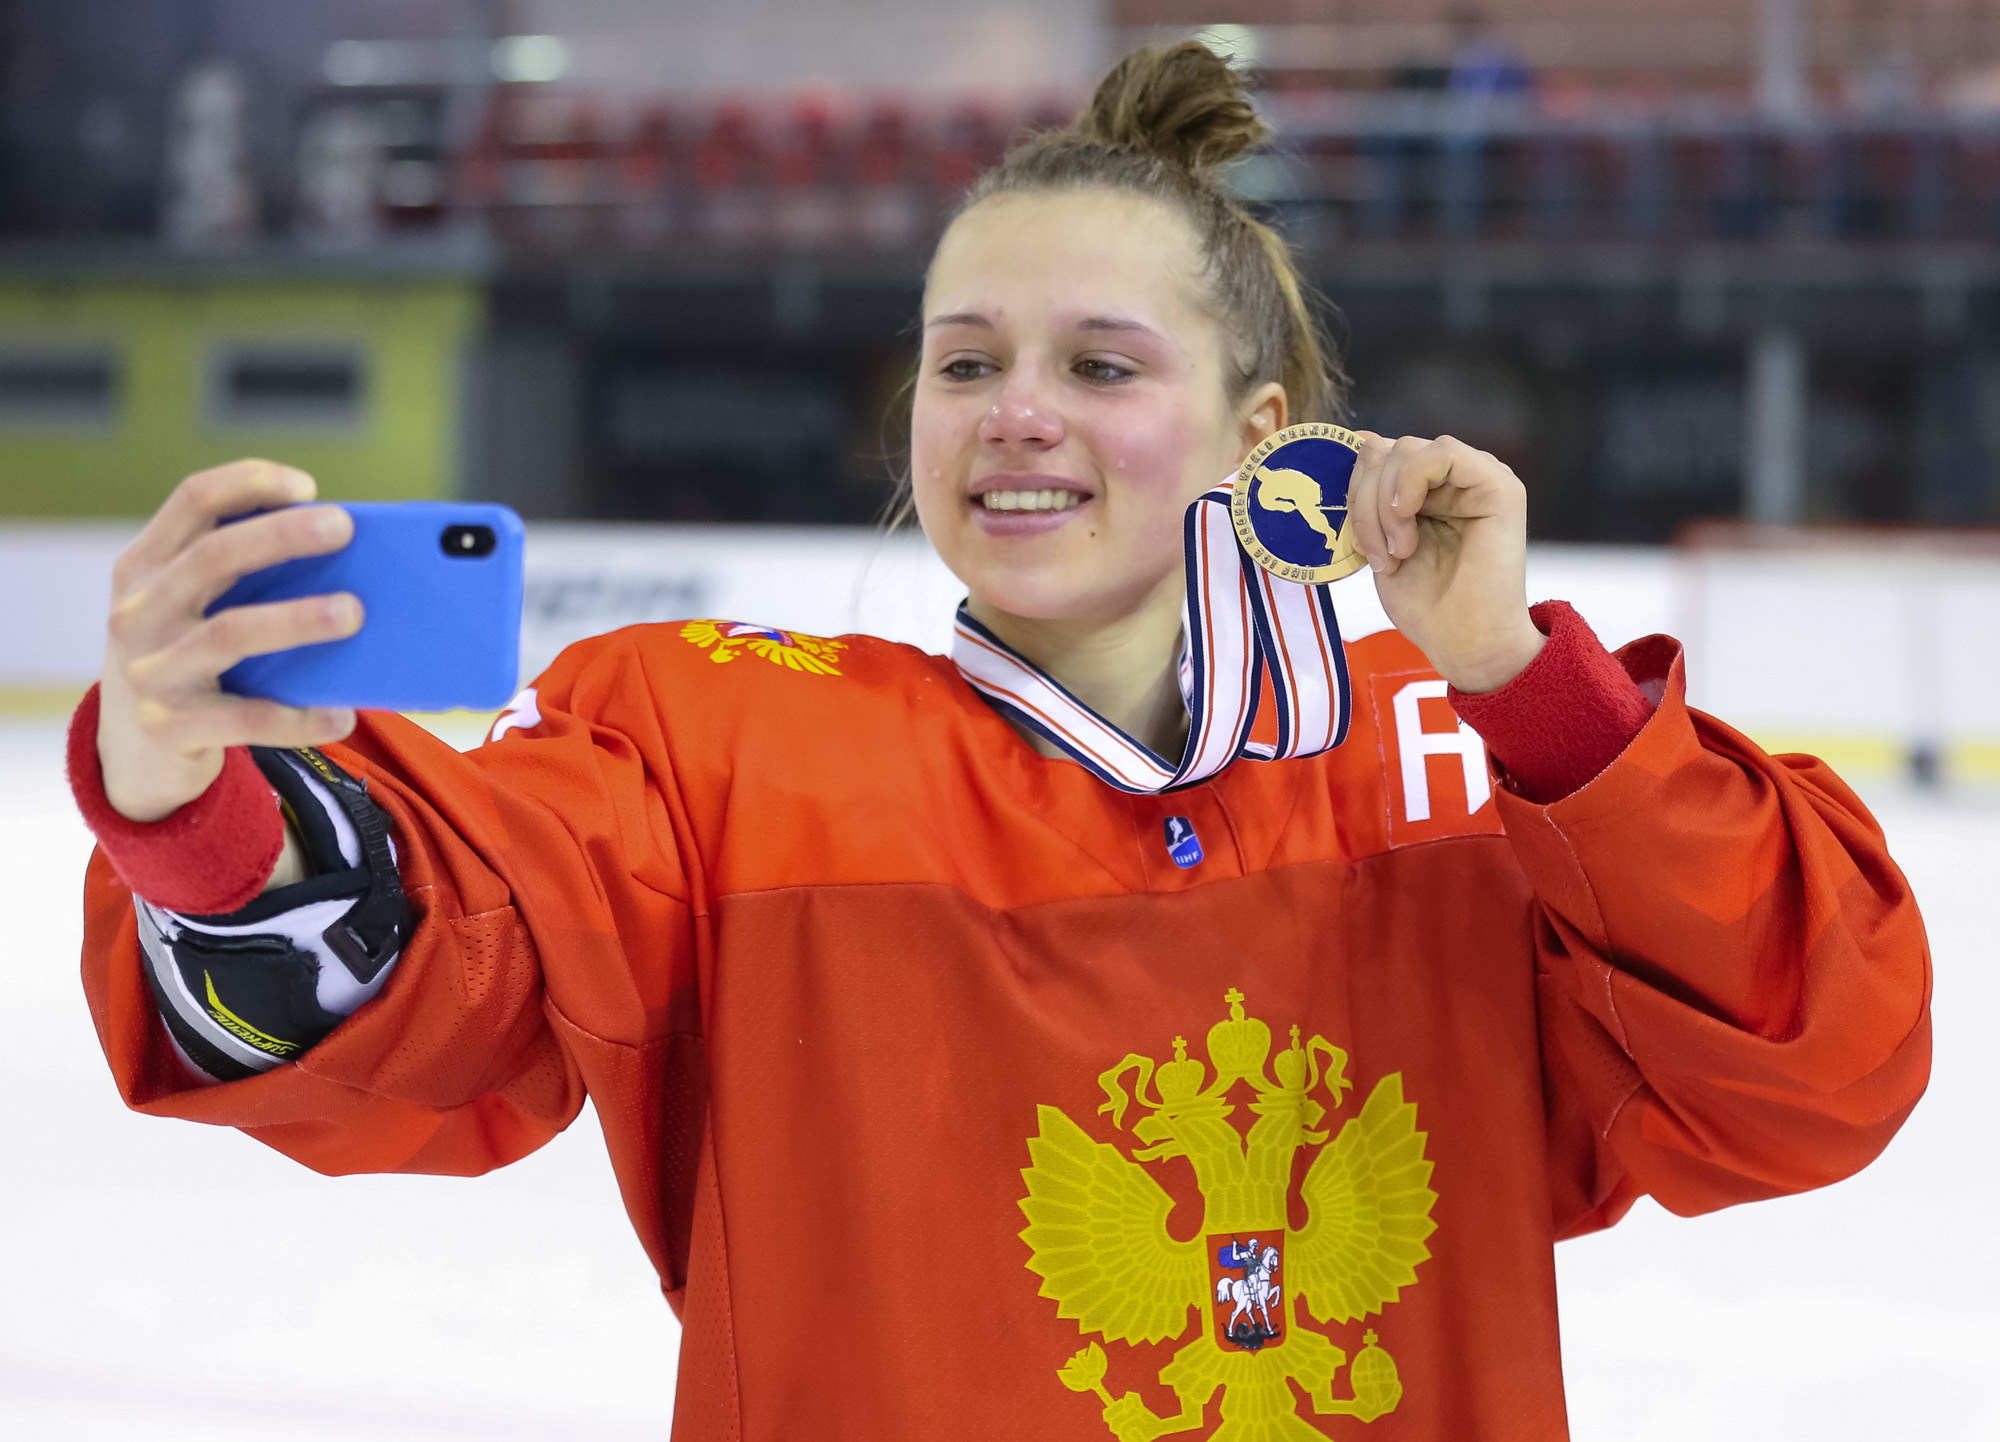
[(1099, 1240), (791, 649)]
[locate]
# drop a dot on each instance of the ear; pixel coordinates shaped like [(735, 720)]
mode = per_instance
[(1263, 412)]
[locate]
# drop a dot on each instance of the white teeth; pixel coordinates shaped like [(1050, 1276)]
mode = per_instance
[(1050, 500)]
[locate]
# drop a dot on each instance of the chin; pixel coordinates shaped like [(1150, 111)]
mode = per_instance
[(1060, 577), (1046, 594)]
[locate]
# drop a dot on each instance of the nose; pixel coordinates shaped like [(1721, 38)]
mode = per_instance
[(1024, 415)]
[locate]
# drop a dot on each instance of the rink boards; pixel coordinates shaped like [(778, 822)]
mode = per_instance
[(1863, 658)]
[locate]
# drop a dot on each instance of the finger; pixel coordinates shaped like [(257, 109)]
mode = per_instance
[(190, 583), (190, 665), (171, 603), (223, 720), (1412, 466), (1363, 505), (203, 499), (1475, 484)]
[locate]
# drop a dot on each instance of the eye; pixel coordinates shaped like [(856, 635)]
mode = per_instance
[(1102, 372), (967, 368)]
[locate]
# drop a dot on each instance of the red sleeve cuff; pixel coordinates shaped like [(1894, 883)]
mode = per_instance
[(211, 856), (1558, 724)]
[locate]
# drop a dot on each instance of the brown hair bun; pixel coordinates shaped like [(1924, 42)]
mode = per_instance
[(1180, 102)]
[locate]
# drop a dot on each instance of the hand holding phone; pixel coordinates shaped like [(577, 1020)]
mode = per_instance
[(199, 594), (163, 719)]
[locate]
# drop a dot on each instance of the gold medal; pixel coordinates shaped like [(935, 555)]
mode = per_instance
[(1289, 504)]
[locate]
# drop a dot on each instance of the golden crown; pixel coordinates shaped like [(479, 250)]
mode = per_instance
[(1240, 1049)]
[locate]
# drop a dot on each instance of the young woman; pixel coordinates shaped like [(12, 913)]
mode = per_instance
[(971, 1067)]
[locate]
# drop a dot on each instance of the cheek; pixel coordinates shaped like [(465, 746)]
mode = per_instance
[(941, 429), (1149, 454)]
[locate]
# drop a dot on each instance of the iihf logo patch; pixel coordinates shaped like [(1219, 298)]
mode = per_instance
[(1182, 844)]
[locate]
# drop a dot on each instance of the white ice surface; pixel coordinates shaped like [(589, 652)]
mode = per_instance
[(172, 1281)]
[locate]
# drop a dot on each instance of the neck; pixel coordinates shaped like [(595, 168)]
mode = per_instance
[(1126, 669)]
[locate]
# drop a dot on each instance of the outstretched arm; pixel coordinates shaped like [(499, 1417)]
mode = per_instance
[(552, 939)]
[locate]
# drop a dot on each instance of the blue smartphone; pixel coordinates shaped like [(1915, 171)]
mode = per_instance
[(441, 586)]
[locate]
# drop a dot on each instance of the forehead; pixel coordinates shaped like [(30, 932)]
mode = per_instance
[(1085, 250)]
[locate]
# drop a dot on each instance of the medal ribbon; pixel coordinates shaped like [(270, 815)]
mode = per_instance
[(1238, 620)]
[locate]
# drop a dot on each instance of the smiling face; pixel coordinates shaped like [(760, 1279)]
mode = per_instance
[(1071, 403)]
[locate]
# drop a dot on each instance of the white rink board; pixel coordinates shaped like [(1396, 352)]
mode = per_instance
[(1780, 645), (580, 580), (585, 578)]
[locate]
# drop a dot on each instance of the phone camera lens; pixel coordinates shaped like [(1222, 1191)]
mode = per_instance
[(468, 541)]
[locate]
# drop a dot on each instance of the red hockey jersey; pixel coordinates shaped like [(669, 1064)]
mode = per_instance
[(957, 1094)]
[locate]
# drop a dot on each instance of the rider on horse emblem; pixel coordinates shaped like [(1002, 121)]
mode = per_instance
[(1249, 1325)]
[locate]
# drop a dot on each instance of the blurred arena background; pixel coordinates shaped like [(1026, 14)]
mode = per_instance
[(1720, 278)]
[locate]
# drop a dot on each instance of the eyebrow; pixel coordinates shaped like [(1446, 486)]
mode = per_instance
[(1115, 323), (1090, 322)]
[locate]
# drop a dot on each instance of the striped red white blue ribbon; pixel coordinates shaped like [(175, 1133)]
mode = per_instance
[(1239, 620)]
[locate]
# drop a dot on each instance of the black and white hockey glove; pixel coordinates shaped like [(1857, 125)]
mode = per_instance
[(246, 992)]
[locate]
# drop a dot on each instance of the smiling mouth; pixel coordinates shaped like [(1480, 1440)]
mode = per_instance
[(1050, 500)]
